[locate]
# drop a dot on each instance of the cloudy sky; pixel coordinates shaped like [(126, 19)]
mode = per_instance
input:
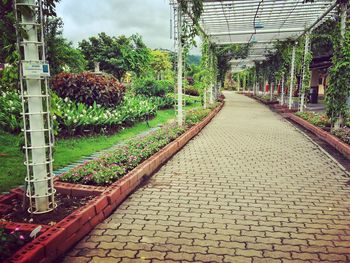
[(149, 18)]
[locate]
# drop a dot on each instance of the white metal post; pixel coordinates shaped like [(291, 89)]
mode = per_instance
[(305, 67), (291, 79), (282, 90), (179, 67), (239, 82), (37, 126), (272, 87), (244, 82)]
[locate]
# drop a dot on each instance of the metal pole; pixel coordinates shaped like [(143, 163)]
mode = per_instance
[(239, 82), (282, 90), (179, 68), (37, 125), (291, 79), (305, 67), (272, 87), (244, 82)]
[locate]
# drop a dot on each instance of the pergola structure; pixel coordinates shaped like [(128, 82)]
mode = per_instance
[(260, 23)]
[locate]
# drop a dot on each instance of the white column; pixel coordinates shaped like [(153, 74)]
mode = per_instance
[(305, 67), (38, 174), (272, 86), (282, 90), (179, 68), (244, 82), (291, 79), (239, 82)]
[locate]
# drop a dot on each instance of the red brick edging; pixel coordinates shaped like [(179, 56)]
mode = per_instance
[(323, 135), (56, 240)]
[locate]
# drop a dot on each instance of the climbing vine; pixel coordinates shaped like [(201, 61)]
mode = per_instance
[(190, 28), (339, 84)]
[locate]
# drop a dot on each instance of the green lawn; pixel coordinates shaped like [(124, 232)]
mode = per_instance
[(66, 151)]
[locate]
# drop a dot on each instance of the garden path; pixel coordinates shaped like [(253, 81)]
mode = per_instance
[(249, 188)]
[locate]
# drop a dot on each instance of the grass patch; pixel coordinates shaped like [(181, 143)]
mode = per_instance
[(11, 162), (67, 151)]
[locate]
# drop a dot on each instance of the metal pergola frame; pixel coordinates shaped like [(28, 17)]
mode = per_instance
[(259, 23)]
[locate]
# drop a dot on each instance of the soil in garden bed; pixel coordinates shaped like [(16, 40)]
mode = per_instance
[(65, 206)]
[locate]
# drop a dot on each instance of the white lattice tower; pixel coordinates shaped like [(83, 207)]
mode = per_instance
[(37, 124)]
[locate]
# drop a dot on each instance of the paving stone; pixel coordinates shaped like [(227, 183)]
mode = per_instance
[(249, 188)]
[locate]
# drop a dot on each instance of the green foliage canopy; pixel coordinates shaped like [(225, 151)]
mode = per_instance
[(117, 55)]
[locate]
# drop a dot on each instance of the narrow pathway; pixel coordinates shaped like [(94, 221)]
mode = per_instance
[(249, 188)]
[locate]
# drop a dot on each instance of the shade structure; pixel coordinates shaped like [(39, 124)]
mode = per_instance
[(261, 22)]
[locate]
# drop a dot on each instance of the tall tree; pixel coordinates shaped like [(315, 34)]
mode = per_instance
[(117, 55), (61, 54)]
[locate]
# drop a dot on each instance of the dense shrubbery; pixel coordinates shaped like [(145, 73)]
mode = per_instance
[(317, 119), (10, 111), (151, 87), (114, 165), (163, 102), (89, 88), (343, 134), (75, 118), (190, 90)]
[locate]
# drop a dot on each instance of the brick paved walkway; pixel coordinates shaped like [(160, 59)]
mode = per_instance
[(249, 188)]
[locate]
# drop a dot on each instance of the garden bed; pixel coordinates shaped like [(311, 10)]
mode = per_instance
[(324, 135), (57, 238)]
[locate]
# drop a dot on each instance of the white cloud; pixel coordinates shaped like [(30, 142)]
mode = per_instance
[(149, 18)]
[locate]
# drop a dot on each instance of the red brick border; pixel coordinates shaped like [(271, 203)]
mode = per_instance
[(338, 144), (323, 135), (56, 240)]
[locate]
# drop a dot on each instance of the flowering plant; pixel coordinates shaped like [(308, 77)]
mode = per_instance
[(317, 119), (114, 165), (10, 241)]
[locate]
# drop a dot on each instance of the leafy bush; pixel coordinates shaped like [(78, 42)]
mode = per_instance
[(10, 111), (343, 134), (89, 88), (190, 90), (163, 102), (75, 118), (151, 87), (196, 115), (190, 81), (317, 119), (188, 100)]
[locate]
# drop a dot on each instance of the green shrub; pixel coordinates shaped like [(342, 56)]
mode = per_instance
[(151, 87), (317, 119), (75, 118), (343, 134), (10, 111), (190, 90), (89, 88), (163, 102)]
